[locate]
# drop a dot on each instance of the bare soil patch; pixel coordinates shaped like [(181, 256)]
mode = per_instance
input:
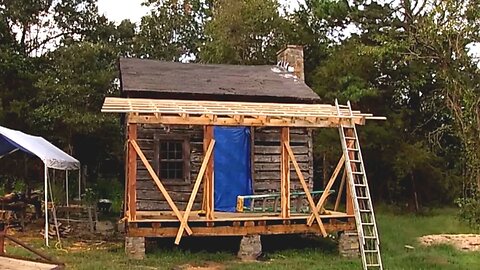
[(464, 242)]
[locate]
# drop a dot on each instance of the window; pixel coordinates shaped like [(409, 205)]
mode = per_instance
[(172, 160)]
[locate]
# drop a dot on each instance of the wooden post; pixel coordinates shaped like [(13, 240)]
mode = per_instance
[(285, 173), (208, 188), (132, 172), (340, 190)]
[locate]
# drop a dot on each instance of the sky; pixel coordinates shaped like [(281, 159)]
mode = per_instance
[(117, 10)]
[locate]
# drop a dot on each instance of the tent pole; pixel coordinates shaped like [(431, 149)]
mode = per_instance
[(66, 185), (46, 205), (80, 184)]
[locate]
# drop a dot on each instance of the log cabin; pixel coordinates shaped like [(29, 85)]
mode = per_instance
[(176, 151), (226, 150)]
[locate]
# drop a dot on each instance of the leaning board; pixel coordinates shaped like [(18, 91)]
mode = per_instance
[(7, 263)]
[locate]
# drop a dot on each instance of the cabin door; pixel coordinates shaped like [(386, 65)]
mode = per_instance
[(232, 167)]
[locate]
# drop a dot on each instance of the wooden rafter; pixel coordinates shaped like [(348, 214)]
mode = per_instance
[(194, 112), (159, 184), (196, 186)]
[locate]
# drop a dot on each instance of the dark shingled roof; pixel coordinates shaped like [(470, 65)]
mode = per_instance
[(152, 78)]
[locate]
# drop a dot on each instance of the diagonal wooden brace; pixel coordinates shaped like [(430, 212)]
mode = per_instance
[(326, 192), (159, 184), (305, 188), (186, 215)]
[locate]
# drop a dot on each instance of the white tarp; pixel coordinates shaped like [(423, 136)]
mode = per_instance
[(12, 140)]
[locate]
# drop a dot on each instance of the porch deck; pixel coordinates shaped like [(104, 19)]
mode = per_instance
[(166, 224)]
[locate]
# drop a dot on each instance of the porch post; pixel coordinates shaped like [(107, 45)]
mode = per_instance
[(208, 187), (132, 172), (285, 173)]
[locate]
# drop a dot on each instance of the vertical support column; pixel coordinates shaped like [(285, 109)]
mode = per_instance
[(285, 173), (132, 172), (208, 187)]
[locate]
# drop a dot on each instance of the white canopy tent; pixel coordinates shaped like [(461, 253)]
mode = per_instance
[(52, 157)]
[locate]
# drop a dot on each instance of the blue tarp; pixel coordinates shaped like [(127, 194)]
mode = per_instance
[(231, 166)]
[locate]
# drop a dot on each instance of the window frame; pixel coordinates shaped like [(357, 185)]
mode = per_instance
[(185, 140)]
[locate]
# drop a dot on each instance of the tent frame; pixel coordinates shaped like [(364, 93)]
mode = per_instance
[(209, 114)]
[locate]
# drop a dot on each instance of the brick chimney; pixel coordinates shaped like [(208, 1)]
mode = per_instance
[(293, 56)]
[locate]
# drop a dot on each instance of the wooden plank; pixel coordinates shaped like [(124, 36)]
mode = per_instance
[(307, 191), (7, 263), (132, 172), (158, 182), (323, 122), (198, 181), (330, 183), (242, 230)]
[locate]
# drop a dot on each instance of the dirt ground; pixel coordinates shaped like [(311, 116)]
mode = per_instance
[(464, 242)]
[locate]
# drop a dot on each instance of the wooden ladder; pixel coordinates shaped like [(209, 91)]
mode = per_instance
[(358, 184)]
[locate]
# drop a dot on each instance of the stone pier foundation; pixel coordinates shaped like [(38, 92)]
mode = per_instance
[(135, 247), (348, 245), (250, 247)]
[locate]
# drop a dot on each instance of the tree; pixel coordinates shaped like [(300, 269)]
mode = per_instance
[(243, 32), (173, 29)]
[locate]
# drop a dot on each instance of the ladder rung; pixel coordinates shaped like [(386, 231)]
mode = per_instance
[(373, 265), (365, 210), (360, 185), (370, 237), (359, 173), (350, 138), (368, 224), (355, 160), (371, 251), (363, 198), (352, 149)]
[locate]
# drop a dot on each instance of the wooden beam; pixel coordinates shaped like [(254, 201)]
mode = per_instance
[(326, 192), (285, 174), (132, 173), (305, 188), (196, 186), (270, 121), (159, 184), (242, 230), (208, 185), (340, 190)]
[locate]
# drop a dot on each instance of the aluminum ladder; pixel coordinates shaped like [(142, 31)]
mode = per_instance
[(358, 184)]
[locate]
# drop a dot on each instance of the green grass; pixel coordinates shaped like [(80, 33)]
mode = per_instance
[(396, 231)]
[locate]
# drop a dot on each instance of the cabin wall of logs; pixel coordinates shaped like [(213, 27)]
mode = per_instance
[(265, 162)]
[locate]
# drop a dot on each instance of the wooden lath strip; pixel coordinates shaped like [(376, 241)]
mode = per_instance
[(305, 189), (196, 186), (159, 184), (326, 192)]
